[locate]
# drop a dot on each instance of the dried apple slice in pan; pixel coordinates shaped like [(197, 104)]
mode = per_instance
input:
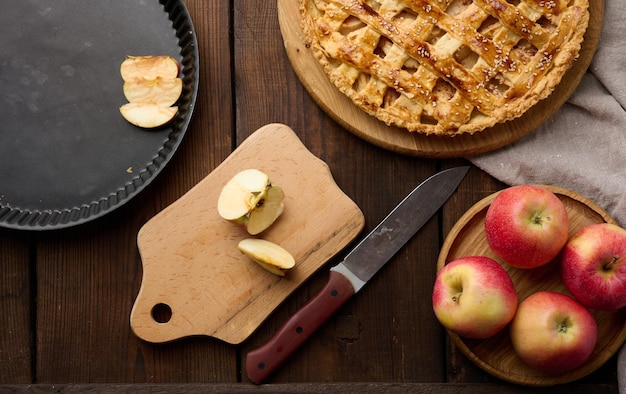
[(149, 67), (147, 115), (152, 87), (160, 91)]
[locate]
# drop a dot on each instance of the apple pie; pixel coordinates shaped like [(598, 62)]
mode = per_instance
[(445, 67)]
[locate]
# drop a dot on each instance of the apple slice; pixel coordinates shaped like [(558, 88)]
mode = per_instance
[(266, 211), (250, 200), (149, 67), (148, 115), (242, 193), (161, 91), (268, 255)]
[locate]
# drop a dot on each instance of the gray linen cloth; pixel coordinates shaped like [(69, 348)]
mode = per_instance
[(582, 147)]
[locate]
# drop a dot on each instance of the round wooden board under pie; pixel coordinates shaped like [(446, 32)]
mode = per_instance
[(349, 116), (495, 355)]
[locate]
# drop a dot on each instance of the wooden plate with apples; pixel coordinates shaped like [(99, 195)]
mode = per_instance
[(495, 355)]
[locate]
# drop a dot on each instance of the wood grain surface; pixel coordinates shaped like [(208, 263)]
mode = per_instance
[(496, 354), (341, 108), (191, 264)]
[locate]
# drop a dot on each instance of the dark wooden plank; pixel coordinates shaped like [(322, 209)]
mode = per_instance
[(370, 388), (16, 346), (88, 277)]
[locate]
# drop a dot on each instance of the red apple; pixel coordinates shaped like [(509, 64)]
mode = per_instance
[(593, 266), (526, 226), (552, 332), (474, 297)]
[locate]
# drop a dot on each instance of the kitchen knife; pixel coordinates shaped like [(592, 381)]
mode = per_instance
[(349, 276)]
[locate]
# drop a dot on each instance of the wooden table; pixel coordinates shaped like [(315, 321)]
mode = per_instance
[(66, 295)]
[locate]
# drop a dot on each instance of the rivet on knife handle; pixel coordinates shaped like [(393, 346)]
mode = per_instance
[(260, 363)]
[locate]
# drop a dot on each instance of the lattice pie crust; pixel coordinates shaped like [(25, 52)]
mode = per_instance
[(445, 67)]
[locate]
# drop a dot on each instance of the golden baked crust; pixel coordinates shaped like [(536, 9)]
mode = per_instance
[(445, 67)]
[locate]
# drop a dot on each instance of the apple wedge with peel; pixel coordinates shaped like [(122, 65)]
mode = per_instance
[(242, 193), (147, 115), (266, 211), (160, 91), (149, 67), (250, 200), (268, 255)]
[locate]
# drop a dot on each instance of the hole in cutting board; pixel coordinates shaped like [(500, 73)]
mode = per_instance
[(161, 313)]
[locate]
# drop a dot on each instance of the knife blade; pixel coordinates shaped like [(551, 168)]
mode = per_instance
[(358, 267)]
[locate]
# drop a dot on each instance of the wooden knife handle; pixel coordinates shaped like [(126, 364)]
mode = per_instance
[(260, 363)]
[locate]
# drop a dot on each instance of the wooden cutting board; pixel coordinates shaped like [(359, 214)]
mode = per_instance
[(196, 282), (399, 140)]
